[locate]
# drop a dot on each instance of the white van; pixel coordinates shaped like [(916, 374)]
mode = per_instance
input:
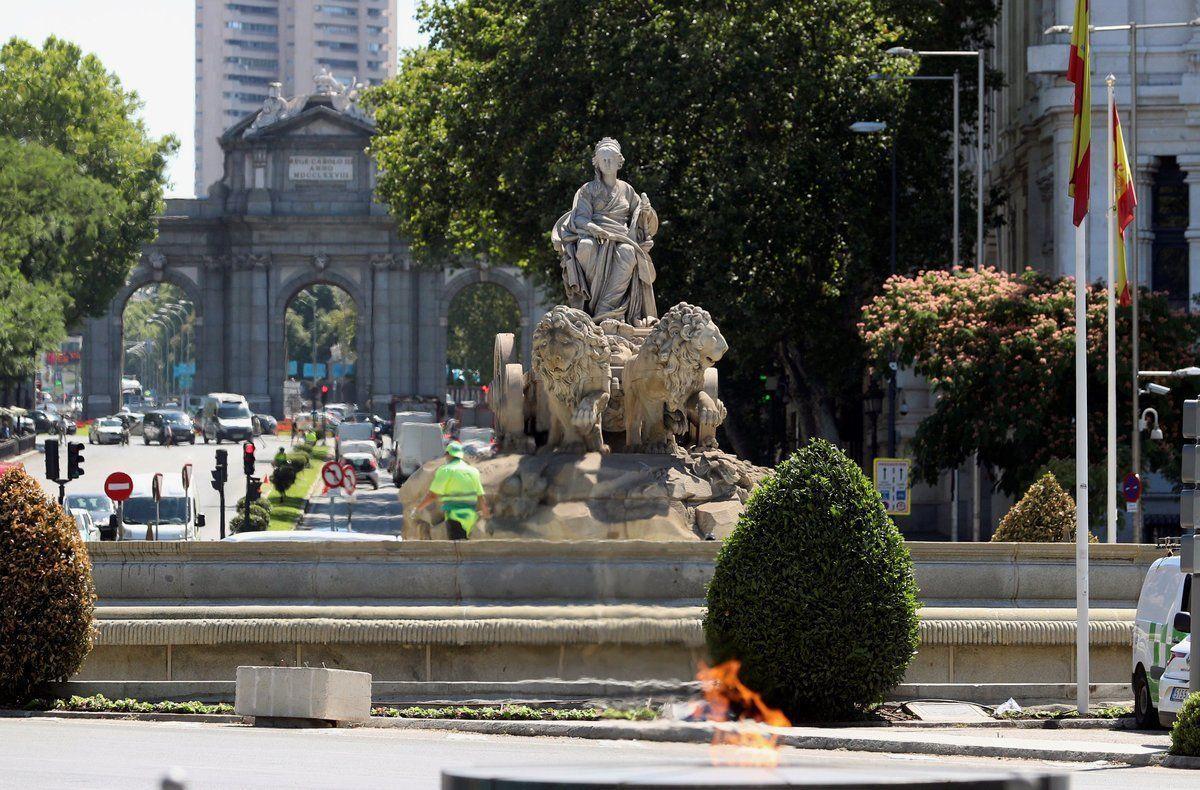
[(226, 416), (175, 513), (1162, 623), (416, 443)]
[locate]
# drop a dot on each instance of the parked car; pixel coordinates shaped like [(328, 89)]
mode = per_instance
[(175, 513), (50, 420), (265, 424), (1174, 685), (168, 427), (360, 446), (366, 468), (108, 430), (132, 418), (1161, 623), (87, 527), (97, 504)]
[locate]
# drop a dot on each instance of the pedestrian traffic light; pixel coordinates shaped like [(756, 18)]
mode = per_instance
[(253, 489), (248, 458), (324, 394), (222, 468), (74, 460), (52, 459)]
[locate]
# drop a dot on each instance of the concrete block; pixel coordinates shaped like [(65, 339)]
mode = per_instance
[(303, 693)]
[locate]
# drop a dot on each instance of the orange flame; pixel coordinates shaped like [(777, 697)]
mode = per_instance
[(725, 694)]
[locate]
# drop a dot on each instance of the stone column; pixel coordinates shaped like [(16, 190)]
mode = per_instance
[(1190, 164), (1144, 187)]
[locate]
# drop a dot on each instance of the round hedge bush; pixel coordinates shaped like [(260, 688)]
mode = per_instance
[(1046, 514), (282, 478), (46, 591), (814, 591), (1185, 733)]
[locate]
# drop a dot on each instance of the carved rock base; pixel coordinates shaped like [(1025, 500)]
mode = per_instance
[(686, 496)]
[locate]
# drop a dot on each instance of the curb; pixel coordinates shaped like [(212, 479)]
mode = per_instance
[(206, 718), (702, 733)]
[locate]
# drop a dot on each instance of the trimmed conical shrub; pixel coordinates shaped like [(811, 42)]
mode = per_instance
[(46, 592), (814, 591), (1046, 514)]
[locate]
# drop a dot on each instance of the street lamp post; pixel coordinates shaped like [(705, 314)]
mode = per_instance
[(1134, 258), (978, 54), (878, 127), (179, 310)]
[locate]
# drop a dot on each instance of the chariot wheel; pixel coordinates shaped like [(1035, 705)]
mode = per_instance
[(509, 409)]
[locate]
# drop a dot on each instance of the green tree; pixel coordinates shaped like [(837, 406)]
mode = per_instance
[(57, 98), (998, 351), (477, 314), (734, 116)]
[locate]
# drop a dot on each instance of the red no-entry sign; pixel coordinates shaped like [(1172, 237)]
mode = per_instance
[(118, 486), (1132, 487)]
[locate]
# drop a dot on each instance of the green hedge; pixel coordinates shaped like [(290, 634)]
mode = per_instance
[(814, 592), (1185, 734)]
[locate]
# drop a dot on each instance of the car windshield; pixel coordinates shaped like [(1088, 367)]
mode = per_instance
[(233, 411), (99, 506), (175, 417), (363, 464), (109, 423), (171, 510)]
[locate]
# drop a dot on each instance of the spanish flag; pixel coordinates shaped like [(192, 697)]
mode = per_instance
[(1125, 201), (1079, 72)]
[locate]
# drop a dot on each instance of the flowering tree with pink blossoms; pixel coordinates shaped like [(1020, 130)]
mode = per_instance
[(998, 352)]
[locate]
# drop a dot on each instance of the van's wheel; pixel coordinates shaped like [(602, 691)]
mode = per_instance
[(1144, 711)]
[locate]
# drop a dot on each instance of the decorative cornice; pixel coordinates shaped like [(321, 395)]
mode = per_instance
[(320, 261)]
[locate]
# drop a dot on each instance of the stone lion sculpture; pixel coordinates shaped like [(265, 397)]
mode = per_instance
[(663, 384), (571, 360)]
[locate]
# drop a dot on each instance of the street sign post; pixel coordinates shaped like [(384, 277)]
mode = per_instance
[(186, 474), (156, 492), (1189, 498), (891, 481), (334, 477)]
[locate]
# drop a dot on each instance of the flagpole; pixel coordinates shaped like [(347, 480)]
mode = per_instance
[(1110, 479), (1082, 671)]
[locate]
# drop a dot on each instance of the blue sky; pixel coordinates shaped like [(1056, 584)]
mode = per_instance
[(150, 46)]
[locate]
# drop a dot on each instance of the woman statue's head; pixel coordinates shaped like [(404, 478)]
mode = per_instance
[(607, 158)]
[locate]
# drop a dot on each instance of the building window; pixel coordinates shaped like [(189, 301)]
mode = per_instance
[(252, 98), (253, 27), (374, 13), (338, 30), (1169, 253), (264, 46), (253, 63), (335, 63), (375, 30), (336, 10), (248, 79), (259, 10), (374, 64), (339, 46), (373, 47)]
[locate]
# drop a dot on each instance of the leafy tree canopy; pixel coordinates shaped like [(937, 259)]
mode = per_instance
[(998, 351), (734, 116), (81, 131)]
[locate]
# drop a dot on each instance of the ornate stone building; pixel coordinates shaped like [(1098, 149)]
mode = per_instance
[(295, 208)]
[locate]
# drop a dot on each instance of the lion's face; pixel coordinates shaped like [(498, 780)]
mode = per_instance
[(710, 345), (569, 351)]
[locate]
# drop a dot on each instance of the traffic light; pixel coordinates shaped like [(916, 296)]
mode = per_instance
[(253, 489), (1189, 497), (221, 473), (74, 460), (324, 394), (248, 458), (52, 459)]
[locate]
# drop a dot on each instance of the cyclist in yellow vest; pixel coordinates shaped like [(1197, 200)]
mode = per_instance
[(457, 487)]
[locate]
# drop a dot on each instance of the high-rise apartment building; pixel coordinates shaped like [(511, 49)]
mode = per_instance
[(242, 47)]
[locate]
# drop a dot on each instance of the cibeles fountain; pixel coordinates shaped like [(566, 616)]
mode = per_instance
[(611, 432)]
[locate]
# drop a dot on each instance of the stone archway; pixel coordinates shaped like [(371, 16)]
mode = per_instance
[(277, 353), (519, 288), (103, 338)]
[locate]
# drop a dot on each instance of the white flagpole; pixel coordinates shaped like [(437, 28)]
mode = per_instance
[(1082, 671), (1110, 479)]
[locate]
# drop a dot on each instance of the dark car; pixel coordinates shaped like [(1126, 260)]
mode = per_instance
[(265, 424), (168, 427)]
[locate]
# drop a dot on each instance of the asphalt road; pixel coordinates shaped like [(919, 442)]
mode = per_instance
[(101, 460), (373, 511), (44, 753)]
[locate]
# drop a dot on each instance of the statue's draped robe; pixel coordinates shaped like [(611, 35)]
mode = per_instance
[(608, 278)]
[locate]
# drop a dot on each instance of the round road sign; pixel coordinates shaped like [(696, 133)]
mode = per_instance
[(118, 486), (350, 481), (332, 474), (1132, 487)]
